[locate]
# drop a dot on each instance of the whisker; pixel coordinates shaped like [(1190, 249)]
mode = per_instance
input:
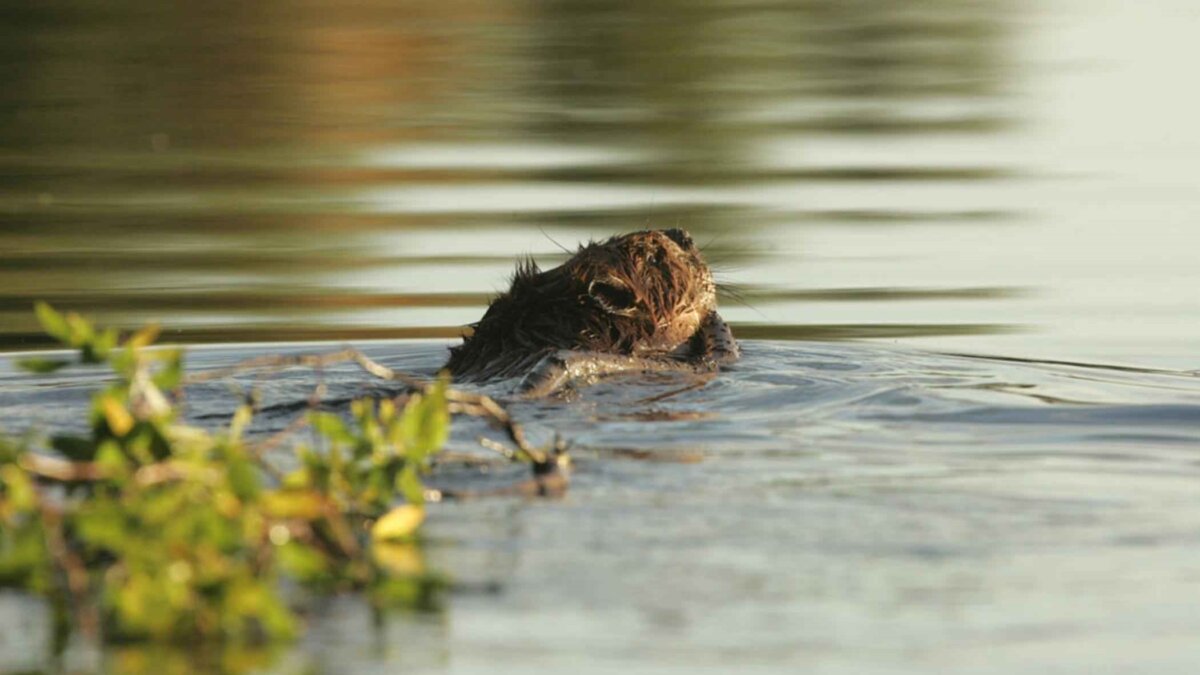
[(724, 267), (717, 236), (735, 293), (545, 234)]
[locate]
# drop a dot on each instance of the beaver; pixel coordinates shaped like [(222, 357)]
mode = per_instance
[(639, 302)]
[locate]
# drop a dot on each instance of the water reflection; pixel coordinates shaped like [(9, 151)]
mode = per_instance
[(295, 170)]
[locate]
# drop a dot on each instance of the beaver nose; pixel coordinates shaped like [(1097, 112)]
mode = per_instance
[(680, 237)]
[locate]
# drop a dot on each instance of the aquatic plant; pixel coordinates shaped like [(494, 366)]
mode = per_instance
[(148, 528)]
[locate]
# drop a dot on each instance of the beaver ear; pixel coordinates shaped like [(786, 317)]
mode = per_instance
[(614, 296)]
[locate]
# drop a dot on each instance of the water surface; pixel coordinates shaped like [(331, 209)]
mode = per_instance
[(996, 200), (837, 507)]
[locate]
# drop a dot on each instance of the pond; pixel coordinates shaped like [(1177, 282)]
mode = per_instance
[(958, 240)]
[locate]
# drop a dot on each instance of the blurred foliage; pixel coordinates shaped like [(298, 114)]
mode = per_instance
[(148, 529)]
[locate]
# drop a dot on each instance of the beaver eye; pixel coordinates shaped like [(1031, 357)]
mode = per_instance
[(613, 296)]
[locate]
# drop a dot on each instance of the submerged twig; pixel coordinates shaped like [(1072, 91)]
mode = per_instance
[(702, 380), (67, 471), (461, 402), (280, 362), (480, 405), (62, 470), (546, 461), (258, 450), (548, 480)]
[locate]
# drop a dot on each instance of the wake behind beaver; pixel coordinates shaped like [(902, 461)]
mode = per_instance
[(639, 302)]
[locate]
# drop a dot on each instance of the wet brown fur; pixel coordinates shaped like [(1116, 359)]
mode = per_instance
[(643, 294)]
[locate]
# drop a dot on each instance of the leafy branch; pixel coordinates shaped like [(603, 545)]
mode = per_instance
[(148, 528)]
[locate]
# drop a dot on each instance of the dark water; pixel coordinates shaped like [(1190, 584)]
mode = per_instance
[(1011, 180), (992, 176)]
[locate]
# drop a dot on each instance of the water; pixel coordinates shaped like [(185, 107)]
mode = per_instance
[(837, 507), (998, 187), (997, 177)]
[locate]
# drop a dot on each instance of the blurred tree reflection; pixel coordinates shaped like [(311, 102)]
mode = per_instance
[(695, 78)]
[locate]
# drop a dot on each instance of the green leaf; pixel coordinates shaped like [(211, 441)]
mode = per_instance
[(143, 337), (80, 331), (111, 459), (120, 421), (296, 480), (409, 484), (303, 562), (241, 419), (10, 450), (171, 376), (100, 523), (413, 592), (301, 504), (250, 601), (103, 343), (124, 363), (426, 423), (52, 322), (330, 426), (41, 366), (243, 479), (399, 523), (18, 487), (74, 448), (400, 559)]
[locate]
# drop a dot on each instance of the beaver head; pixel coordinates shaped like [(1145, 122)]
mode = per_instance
[(637, 294)]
